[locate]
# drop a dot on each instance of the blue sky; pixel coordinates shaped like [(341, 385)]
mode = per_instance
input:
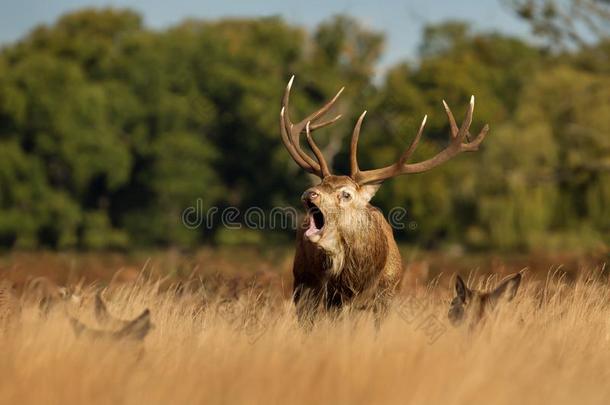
[(401, 21)]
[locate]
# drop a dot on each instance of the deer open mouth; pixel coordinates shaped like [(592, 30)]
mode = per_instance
[(316, 220)]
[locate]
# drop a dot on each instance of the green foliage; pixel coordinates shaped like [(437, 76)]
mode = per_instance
[(109, 130), (543, 169), (567, 22)]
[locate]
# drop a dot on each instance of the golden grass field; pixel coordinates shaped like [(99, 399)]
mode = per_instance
[(218, 341)]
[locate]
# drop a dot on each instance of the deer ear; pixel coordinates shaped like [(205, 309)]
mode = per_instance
[(137, 328), (461, 291), (507, 287), (368, 191)]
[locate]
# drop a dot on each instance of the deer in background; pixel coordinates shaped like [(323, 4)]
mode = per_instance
[(346, 253), (115, 328), (471, 305)]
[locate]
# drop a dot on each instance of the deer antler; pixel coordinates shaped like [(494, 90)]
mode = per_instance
[(290, 134), (458, 142)]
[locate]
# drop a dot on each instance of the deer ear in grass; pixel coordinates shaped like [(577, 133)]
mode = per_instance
[(461, 291), (507, 288), (135, 329)]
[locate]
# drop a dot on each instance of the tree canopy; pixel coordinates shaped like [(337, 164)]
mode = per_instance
[(109, 130)]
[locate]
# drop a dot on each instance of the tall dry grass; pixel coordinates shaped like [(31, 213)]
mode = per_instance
[(550, 345)]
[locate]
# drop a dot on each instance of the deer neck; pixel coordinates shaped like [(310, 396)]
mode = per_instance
[(356, 250)]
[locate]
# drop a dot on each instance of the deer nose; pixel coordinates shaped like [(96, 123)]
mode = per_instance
[(309, 195)]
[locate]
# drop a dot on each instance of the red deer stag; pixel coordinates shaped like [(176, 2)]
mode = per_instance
[(346, 253)]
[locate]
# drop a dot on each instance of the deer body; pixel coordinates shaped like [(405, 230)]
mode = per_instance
[(346, 253)]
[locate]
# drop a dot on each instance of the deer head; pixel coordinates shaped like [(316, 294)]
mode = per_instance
[(339, 205), (135, 329), (114, 328), (472, 305)]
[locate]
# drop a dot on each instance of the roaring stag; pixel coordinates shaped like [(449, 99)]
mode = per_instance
[(346, 253)]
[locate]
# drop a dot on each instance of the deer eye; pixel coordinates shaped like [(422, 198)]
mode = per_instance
[(345, 195)]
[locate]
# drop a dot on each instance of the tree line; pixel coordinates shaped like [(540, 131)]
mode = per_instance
[(109, 130)]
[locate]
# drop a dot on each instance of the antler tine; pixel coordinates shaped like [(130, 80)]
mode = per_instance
[(290, 147), (316, 151), (322, 124), (474, 145), (316, 115), (455, 131), (290, 133), (463, 132), (407, 153), (452, 123), (294, 135), (353, 150), (457, 145)]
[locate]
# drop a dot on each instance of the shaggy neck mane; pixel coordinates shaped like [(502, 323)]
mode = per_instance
[(361, 250)]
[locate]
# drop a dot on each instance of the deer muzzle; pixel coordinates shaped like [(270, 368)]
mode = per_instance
[(315, 216)]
